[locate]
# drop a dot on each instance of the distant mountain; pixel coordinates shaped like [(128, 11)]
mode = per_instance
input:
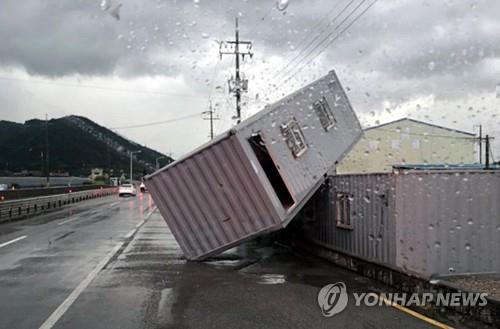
[(76, 145)]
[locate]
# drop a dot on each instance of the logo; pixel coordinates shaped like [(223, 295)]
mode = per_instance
[(332, 299)]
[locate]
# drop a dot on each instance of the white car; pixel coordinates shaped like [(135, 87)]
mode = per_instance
[(127, 189)]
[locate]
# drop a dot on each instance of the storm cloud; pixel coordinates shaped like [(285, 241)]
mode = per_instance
[(433, 60)]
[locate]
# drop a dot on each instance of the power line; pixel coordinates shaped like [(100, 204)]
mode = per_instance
[(73, 85), (333, 39), (157, 122), (315, 38)]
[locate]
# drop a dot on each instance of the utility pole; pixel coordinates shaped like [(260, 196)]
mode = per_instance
[(236, 84), (42, 169), (211, 117), (487, 150), (47, 168), (480, 144), (109, 158), (131, 164)]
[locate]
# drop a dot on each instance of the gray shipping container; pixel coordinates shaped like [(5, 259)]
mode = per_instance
[(254, 178), (424, 222)]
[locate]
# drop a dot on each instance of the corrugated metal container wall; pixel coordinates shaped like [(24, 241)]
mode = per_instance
[(213, 199), (325, 146), (448, 221), (372, 235), (256, 177)]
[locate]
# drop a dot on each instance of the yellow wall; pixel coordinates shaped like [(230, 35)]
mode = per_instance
[(407, 142)]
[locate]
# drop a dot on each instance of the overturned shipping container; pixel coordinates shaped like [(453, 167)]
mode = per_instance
[(254, 178)]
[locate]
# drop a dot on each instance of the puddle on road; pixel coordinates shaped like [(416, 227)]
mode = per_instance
[(164, 312), (272, 279), (226, 262)]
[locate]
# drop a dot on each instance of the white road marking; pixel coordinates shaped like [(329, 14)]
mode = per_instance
[(59, 312), (66, 304), (67, 221), (12, 241), (75, 218)]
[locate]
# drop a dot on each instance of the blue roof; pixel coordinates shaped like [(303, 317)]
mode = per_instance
[(443, 166)]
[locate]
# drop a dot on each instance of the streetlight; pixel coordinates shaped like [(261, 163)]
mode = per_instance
[(131, 160), (158, 162)]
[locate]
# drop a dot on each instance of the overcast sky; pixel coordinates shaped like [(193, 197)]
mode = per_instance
[(437, 61)]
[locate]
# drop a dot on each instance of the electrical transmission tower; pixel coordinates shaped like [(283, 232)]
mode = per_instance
[(211, 117), (237, 84)]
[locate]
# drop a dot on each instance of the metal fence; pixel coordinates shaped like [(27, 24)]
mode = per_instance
[(17, 209)]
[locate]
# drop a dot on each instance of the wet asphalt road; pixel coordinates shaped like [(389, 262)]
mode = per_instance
[(148, 284)]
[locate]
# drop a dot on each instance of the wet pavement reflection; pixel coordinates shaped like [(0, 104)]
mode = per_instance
[(257, 285)]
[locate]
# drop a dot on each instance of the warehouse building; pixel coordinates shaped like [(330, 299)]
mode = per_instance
[(407, 141)]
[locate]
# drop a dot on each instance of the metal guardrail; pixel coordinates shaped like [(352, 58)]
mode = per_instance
[(17, 209), (24, 193)]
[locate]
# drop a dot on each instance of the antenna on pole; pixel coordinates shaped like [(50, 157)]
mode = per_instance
[(237, 84)]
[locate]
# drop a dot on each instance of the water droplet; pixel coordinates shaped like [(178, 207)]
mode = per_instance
[(196, 2), (467, 246), (105, 5), (470, 221), (281, 4), (437, 244), (156, 28), (497, 89), (367, 199), (115, 12), (431, 226), (431, 66), (205, 35)]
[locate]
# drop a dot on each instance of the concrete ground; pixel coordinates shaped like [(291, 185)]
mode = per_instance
[(113, 263)]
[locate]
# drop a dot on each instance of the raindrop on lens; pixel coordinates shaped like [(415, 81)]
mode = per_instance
[(281, 4), (431, 66), (105, 5), (467, 246)]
